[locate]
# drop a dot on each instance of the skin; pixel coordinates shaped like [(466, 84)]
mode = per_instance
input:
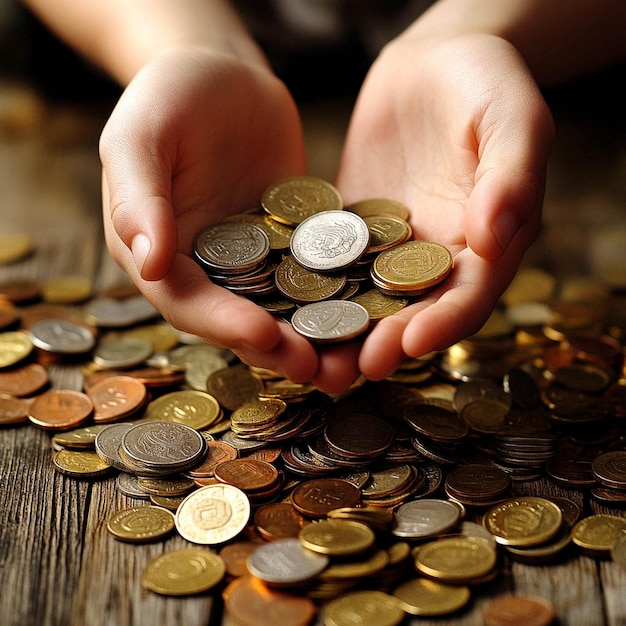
[(450, 121)]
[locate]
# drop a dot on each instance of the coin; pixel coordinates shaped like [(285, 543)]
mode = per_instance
[(386, 231), (61, 336), (329, 241), (609, 469), (213, 514), (122, 352), (183, 572), (304, 286), (331, 321), (15, 247), (411, 268), (80, 464), (70, 289), (598, 533), (60, 409), (79, 438), (513, 610), (139, 524), (291, 200), (197, 409), (421, 596), (420, 519), (367, 608), (378, 304), (116, 398), (277, 520), (337, 537), (15, 346), (316, 497), (24, 380), (380, 206)]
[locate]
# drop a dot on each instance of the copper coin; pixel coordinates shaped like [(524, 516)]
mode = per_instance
[(249, 475), (248, 601), (513, 610), (23, 381), (359, 435), (316, 497), (435, 422), (476, 482), (571, 473), (278, 520), (13, 410), (116, 398), (9, 315), (20, 291), (218, 452), (236, 554), (60, 409)]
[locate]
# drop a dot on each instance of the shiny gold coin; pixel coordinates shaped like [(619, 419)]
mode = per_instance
[(386, 231), (80, 438), (411, 268), (420, 596), (380, 206), (456, 559), (598, 533), (378, 304), (70, 289), (305, 286), (197, 409), (366, 608), (183, 572), (140, 524), (278, 234), (337, 537), (291, 200), (162, 336), (80, 464), (15, 247), (368, 563), (14, 347), (618, 551), (524, 521)]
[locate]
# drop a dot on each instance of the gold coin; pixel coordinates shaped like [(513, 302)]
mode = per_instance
[(420, 596), (598, 533), (197, 409), (14, 346), (411, 268), (456, 559), (291, 200), (140, 524), (305, 286), (530, 284), (162, 336), (80, 438), (80, 464), (380, 206), (378, 304), (618, 551), (366, 608), (14, 247), (278, 234), (184, 572), (368, 563), (386, 231), (337, 537), (524, 521), (213, 514), (70, 289)]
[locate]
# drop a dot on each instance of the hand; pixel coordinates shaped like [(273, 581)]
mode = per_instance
[(459, 132), (196, 137)]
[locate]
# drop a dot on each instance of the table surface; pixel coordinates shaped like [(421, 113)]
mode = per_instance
[(58, 563)]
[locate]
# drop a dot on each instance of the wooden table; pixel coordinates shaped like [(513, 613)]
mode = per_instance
[(58, 564)]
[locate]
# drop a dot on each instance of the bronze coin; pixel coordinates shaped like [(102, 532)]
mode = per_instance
[(218, 452), (476, 482), (116, 398), (24, 380), (513, 610), (60, 409), (249, 475), (13, 410), (359, 435), (278, 520), (236, 554), (316, 497), (571, 473)]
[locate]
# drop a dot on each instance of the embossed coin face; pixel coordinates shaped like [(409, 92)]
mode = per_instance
[(292, 200), (80, 464), (61, 336), (306, 286), (231, 247), (386, 231), (330, 241), (140, 524), (331, 321), (192, 407), (117, 397), (213, 514), (184, 572), (411, 268)]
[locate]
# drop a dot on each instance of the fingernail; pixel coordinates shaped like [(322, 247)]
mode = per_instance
[(140, 248), (504, 228)]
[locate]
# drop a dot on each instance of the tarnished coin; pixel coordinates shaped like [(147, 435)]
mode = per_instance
[(367, 608), (337, 537), (524, 521), (61, 336), (285, 562), (140, 524), (330, 241), (277, 520), (421, 596), (291, 200), (609, 469), (108, 441), (183, 572), (411, 268), (359, 436), (116, 398), (14, 347), (213, 514), (197, 409), (24, 380), (80, 464), (331, 321), (473, 483), (60, 409), (231, 247), (304, 286)]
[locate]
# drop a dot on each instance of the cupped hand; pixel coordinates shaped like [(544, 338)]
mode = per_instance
[(459, 132), (196, 137)]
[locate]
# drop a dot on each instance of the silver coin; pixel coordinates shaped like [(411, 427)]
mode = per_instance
[(108, 442), (61, 336), (128, 484), (122, 352), (231, 247), (113, 313), (163, 446), (424, 518), (331, 320), (330, 241), (285, 562)]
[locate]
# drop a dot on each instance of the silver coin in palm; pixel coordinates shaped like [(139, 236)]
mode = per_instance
[(330, 241), (331, 321)]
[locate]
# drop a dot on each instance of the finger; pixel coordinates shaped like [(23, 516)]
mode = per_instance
[(338, 367), (382, 351)]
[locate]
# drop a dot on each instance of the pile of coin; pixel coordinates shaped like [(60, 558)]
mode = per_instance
[(331, 270), (362, 499)]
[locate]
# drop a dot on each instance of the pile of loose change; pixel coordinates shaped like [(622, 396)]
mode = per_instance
[(329, 269), (397, 498)]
